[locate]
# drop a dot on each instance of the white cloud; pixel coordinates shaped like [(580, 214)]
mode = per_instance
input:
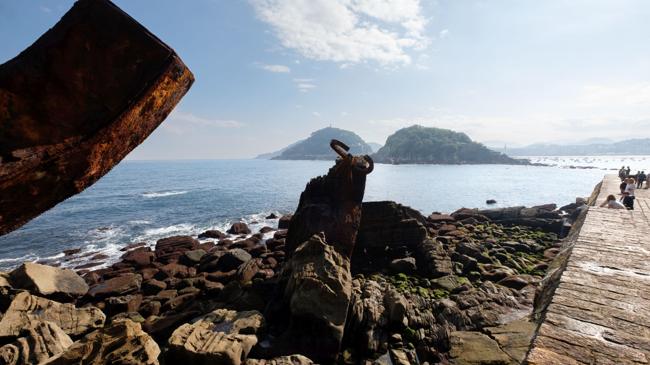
[(347, 31), (276, 68), (45, 9), (316, 114), (443, 34), (304, 85), (180, 122)]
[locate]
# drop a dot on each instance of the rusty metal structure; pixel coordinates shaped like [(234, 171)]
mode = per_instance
[(76, 102), (332, 203)]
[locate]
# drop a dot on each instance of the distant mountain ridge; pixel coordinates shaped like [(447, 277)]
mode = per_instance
[(317, 146), (426, 145), (640, 146)]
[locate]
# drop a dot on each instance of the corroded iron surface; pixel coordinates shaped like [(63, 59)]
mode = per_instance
[(76, 102)]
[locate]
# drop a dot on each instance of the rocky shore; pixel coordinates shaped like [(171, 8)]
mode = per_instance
[(454, 288)]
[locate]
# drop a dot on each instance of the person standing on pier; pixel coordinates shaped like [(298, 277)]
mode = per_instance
[(641, 178), (628, 194)]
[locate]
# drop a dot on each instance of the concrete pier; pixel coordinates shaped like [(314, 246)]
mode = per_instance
[(600, 311)]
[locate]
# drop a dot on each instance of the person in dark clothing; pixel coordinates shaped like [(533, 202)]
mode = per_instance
[(627, 172), (641, 178), (623, 186)]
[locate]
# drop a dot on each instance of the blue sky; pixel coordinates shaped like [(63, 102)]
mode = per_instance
[(269, 72)]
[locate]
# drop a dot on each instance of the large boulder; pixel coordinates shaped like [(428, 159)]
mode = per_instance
[(282, 360), (76, 102), (48, 280), (318, 291), (475, 348), (386, 223), (40, 342), (123, 342), (220, 337), (27, 308), (119, 285), (172, 248)]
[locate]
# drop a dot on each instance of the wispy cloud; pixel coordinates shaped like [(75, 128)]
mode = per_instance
[(619, 95), (443, 34), (276, 68), (181, 122), (304, 85), (45, 9), (350, 31)]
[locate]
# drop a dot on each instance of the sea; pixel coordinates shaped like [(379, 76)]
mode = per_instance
[(143, 201)]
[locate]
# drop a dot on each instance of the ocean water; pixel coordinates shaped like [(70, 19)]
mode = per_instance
[(142, 201)]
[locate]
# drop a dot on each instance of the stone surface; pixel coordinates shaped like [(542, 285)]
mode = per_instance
[(475, 348), (318, 292), (221, 337), (282, 360), (239, 228), (332, 204), (66, 119), (40, 342), (123, 342), (172, 248), (120, 285), (26, 308), (48, 280), (597, 312), (514, 337)]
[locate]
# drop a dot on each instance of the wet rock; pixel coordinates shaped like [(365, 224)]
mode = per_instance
[(123, 342), (517, 282), (26, 308), (40, 341), (213, 233), (232, 259), (514, 338), (406, 265), (116, 286), (221, 337), (283, 222), (132, 246), (48, 281), (71, 252), (171, 248), (271, 216), (139, 257), (239, 228), (475, 348), (266, 229)]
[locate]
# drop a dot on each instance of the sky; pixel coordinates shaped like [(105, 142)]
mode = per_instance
[(270, 72)]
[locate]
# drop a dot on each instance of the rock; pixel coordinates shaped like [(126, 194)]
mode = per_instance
[(517, 282), (405, 265), (232, 259), (239, 228), (171, 248), (172, 270), (332, 204), (514, 338), (490, 201), (213, 233), (475, 348), (282, 360), (440, 218), (72, 132), (48, 281), (387, 223), (221, 337), (123, 342), (448, 283), (432, 259), (248, 270), (139, 257), (132, 246), (271, 216), (153, 286), (120, 285), (284, 221), (4, 280), (126, 303), (40, 342), (26, 308), (71, 252), (318, 291)]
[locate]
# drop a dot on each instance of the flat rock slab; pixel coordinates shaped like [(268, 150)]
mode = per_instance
[(76, 102), (476, 348), (27, 308), (48, 280), (600, 311)]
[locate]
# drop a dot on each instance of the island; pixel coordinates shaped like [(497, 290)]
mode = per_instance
[(316, 147), (427, 145)]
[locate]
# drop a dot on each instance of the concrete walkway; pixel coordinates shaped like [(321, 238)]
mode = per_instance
[(600, 312)]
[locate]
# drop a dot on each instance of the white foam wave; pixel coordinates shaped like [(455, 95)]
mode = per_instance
[(176, 228), (10, 261), (161, 194), (139, 222)]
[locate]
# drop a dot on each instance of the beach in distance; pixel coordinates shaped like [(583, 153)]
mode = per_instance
[(142, 201)]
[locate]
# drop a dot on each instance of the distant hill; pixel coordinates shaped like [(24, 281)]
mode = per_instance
[(375, 146), (422, 145), (317, 146), (627, 147), (271, 155)]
